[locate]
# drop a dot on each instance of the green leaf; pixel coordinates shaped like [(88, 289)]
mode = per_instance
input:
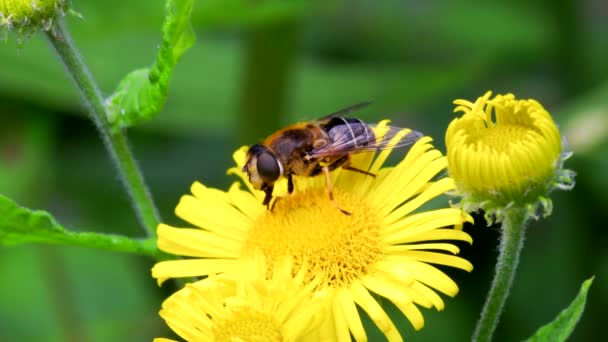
[(563, 325), (143, 92), (19, 225)]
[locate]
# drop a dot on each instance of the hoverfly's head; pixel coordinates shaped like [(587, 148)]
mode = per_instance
[(262, 167)]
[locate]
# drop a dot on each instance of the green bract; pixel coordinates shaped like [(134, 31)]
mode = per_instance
[(29, 15)]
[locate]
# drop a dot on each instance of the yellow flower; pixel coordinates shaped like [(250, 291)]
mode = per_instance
[(384, 247), (252, 307), (503, 152)]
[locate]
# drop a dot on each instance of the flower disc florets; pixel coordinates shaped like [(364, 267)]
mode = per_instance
[(505, 152)]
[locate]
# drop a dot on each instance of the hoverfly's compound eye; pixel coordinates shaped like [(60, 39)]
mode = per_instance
[(269, 168)]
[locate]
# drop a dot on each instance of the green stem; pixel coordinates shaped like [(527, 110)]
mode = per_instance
[(116, 142), (62, 294), (109, 242), (270, 55), (511, 244)]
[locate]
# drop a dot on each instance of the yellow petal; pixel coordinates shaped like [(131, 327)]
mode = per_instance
[(196, 243), (404, 182), (422, 222), (352, 180), (383, 155), (362, 297), (209, 294), (179, 319), (239, 156), (436, 189), (236, 171), (329, 328), (394, 271), (428, 275), (412, 313), (440, 259), (351, 315), (245, 201), (217, 216), (387, 288), (191, 268), (417, 151), (417, 297), (398, 249), (439, 234), (340, 323), (428, 293), (202, 192)]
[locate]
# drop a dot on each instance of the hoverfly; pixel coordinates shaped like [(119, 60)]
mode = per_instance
[(310, 148)]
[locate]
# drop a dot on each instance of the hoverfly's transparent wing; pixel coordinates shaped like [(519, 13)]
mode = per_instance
[(391, 132), (353, 135), (346, 111)]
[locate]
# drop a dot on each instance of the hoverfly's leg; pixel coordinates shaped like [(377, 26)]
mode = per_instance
[(330, 190), (290, 184), (274, 203), (268, 197), (346, 166), (350, 168)]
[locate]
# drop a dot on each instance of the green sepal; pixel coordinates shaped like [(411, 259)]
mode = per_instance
[(143, 92), (563, 325), (20, 225)]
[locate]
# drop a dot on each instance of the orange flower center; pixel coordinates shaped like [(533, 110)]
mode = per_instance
[(338, 248)]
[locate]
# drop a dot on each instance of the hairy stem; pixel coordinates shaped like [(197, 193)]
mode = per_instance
[(115, 141), (511, 244), (111, 242)]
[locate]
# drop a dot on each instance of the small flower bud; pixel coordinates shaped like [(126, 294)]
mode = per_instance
[(505, 152), (26, 16)]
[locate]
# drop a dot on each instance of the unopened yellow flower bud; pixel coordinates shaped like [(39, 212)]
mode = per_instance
[(505, 152), (28, 15)]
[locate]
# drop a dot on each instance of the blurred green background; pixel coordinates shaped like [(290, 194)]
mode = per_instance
[(258, 65)]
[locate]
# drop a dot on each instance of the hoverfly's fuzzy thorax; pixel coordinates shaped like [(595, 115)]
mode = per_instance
[(26, 16)]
